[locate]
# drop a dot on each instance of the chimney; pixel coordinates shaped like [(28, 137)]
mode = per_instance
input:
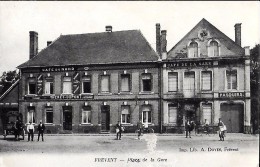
[(49, 42), (108, 28), (33, 44), (247, 50), (238, 33), (163, 44), (158, 39)]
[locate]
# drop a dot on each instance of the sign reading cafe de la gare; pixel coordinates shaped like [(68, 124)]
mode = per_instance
[(189, 64), (100, 81)]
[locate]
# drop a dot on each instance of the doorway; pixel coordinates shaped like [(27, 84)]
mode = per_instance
[(67, 118), (105, 117), (232, 117)]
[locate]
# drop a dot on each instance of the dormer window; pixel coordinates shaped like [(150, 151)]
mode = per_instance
[(213, 49), (193, 49)]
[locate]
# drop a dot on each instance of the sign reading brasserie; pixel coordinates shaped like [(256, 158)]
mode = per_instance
[(190, 64), (232, 94)]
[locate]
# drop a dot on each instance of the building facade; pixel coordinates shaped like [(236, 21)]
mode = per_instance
[(206, 76), (86, 83)]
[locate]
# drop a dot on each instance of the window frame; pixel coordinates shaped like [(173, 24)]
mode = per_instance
[(203, 106), (121, 83), (49, 80), (28, 85), (211, 49), (31, 110), (126, 115), (49, 111), (88, 110), (142, 82), (231, 83), (211, 80), (177, 81), (82, 84), (192, 48), (109, 84), (147, 115), (176, 114), (71, 91)]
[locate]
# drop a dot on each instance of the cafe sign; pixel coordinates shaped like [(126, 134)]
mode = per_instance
[(189, 64), (232, 94)]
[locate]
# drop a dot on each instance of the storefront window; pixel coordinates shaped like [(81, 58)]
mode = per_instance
[(125, 117)]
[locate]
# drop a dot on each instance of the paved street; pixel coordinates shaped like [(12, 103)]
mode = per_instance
[(151, 145)]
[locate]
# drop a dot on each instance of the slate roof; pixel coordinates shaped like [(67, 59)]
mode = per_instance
[(228, 46), (95, 48)]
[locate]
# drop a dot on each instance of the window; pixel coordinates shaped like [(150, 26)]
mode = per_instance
[(86, 84), (146, 115), (206, 111), (193, 49), (206, 80), (231, 79), (125, 117), (86, 115), (31, 86), (172, 81), (31, 115), (67, 85), (146, 82), (125, 82), (172, 114), (48, 86), (213, 49), (49, 114), (105, 84), (189, 84)]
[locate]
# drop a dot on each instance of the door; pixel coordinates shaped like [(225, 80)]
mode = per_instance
[(67, 118), (105, 117), (189, 84), (232, 117)]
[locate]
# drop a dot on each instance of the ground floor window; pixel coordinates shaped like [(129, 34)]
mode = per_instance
[(172, 114), (49, 114), (86, 115), (207, 113), (125, 116), (31, 115), (146, 114)]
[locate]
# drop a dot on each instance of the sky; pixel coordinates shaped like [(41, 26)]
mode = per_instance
[(51, 19)]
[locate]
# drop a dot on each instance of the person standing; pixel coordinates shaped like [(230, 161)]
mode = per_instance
[(118, 131), (206, 125), (221, 130), (139, 128), (187, 128), (41, 128), (30, 130)]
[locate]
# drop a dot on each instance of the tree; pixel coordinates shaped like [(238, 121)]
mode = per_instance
[(255, 84), (7, 79)]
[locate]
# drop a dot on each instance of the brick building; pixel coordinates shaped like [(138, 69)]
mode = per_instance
[(206, 76), (86, 83)]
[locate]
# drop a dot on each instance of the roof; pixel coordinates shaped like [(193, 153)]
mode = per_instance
[(95, 48), (228, 46)]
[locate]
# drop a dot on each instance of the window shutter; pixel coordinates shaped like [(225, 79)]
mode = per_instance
[(76, 83), (40, 84)]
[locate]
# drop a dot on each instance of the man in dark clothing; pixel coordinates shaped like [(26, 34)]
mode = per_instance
[(41, 128), (187, 128), (139, 128), (118, 131)]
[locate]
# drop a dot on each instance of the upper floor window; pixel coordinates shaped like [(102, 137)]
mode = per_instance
[(67, 85), (213, 49), (32, 86), (193, 49), (125, 83), (48, 87), (105, 83), (86, 84), (206, 80), (146, 83), (172, 81), (231, 79)]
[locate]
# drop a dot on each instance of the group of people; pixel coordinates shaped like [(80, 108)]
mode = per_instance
[(190, 125), (120, 129), (30, 130)]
